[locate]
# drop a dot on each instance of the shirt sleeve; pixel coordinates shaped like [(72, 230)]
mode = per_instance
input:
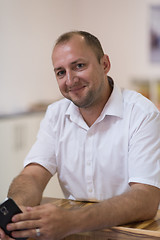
[(43, 150), (144, 149)]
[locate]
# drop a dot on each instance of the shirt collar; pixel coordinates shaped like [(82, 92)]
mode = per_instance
[(114, 105), (75, 116)]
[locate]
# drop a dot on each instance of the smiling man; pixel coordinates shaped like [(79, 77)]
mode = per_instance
[(104, 143), (82, 76)]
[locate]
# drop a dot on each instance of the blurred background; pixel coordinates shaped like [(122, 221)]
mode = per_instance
[(128, 30)]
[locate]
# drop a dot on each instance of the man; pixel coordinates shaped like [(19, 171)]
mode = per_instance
[(103, 141)]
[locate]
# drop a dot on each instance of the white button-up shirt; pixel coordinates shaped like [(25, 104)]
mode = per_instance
[(99, 162)]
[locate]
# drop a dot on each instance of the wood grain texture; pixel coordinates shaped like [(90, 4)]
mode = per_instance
[(148, 230)]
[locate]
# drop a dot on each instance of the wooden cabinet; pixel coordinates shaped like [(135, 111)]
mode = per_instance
[(17, 134)]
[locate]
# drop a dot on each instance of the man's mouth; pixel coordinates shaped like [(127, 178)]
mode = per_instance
[(76, 89)]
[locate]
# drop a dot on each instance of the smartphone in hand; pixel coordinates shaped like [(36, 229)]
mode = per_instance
[(7, 210)]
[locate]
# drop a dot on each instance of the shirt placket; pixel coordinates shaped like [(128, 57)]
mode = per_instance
[(89, 164)]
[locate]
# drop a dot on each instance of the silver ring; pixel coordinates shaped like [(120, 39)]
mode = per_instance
[(38, 233)]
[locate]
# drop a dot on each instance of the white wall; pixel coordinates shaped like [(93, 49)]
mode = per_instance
[(123, 27), (29, 28)]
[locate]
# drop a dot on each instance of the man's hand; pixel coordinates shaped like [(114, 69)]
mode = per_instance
[(3, 236), (52, 221)]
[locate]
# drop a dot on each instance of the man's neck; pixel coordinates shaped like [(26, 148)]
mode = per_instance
[(91, 113)]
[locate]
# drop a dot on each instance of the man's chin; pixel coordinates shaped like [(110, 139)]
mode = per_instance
[(78, 102)]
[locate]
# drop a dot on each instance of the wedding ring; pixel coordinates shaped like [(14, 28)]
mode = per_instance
[(38, 233)]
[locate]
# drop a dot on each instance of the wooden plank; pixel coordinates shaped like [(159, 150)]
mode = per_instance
[(148, 230)]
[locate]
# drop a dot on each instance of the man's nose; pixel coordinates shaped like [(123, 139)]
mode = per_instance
[(71, 78)]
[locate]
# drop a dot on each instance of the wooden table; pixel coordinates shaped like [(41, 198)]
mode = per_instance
[(148, 230)]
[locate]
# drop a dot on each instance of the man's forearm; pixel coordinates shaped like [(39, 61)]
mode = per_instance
[(135, 205), (24, 191), (140, 203), (27, 188)]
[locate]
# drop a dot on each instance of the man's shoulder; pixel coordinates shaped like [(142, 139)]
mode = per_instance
[(58, 108), (137, 100), (62, 103)]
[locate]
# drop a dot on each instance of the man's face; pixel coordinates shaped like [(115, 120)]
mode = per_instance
[(81, 78)]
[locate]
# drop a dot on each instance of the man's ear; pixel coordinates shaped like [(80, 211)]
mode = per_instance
[(106, 63)]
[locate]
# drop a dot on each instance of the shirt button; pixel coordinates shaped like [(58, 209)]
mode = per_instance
[(90, 190), (88, 163), (89, 178)]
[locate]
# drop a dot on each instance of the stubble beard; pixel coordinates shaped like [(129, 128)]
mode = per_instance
[(86, 102), (90, 99)]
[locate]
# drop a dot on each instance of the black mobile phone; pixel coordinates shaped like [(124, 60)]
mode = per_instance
[(7, 210)]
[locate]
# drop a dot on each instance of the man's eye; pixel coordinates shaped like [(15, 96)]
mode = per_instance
[(60, 73), (80, 65)]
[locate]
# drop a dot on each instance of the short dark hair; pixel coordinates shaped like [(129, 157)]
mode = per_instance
[(90, 40)]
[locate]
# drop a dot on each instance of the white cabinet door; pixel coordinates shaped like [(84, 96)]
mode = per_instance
[(17, 135)]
